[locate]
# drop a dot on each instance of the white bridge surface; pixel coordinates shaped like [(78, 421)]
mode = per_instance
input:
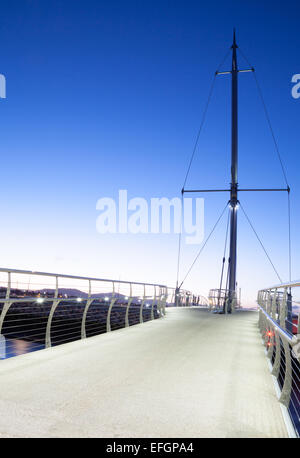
[(190, 374)]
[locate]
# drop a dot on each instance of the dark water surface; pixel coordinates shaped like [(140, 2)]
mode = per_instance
[(16, 347)]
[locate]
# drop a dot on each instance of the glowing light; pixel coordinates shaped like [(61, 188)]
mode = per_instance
[(79, 299), (40, 300), (106, 298)]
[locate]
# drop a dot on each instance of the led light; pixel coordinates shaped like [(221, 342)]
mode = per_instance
[(40, 300), (79, 299), (106, 298)]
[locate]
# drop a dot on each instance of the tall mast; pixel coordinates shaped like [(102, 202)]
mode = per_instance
[(234, 182)]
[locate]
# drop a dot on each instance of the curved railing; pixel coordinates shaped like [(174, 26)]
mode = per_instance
[(280, 328), (218, 300), (46, 309), (184, 298)]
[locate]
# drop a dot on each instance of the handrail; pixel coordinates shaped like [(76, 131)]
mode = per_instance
[(289, 284), (279, 324), (285, 335), (76, 277), (75, 307)]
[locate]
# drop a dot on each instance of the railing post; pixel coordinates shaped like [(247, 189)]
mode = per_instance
[(173, 298), (226, 304), (142, 304), (265, 300), (298, 325), (159, 300), (283, 310), (8, 286), (86, 308), (289, 312), (273, 304), (153, 302), (129, 300), (271, 342), (7, 302), (276, 365), (127, 312), (113, 300), (52, 310), (287, 386), (233, 305), (164, 301), (268, 301)]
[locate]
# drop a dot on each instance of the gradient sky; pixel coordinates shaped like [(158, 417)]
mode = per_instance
[(108, 95)]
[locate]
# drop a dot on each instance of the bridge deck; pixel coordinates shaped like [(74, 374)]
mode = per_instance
[(191, 374)]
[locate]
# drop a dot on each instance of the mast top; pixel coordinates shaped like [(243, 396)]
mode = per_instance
[(234, 45)]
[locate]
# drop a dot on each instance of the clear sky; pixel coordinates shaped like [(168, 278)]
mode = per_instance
[(108, 95)]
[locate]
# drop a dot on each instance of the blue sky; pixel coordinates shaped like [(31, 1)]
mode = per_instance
[(105, 95)]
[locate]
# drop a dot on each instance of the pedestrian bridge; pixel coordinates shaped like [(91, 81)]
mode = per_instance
[(190, 374)]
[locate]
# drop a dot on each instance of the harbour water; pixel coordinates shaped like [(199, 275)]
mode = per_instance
[(16, 347)]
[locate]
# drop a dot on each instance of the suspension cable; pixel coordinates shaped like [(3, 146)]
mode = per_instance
[(193, 154), (268, 119), (202, 248), (203, 119), (261, 243), (280, 161)]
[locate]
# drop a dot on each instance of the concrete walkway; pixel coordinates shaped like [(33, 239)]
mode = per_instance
[(191, 374)]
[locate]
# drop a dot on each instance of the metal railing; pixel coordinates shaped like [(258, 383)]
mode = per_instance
[(46, 309), (184, 298), (280, 328), (218, 300)]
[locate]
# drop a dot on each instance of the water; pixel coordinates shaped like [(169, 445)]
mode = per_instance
[(16, 347)]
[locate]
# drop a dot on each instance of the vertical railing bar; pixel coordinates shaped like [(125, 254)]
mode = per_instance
[(7, 302), (283, 310), (113, 300), (276, 364), (129, 300), (142, 305), (86, 308), (273, 313), (153, 302), (287, 386), (165, 300), (55, 303)]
